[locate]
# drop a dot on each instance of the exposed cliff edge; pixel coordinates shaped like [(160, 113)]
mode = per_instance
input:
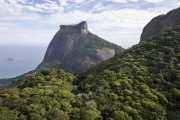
[(75, 49), (160, 23)]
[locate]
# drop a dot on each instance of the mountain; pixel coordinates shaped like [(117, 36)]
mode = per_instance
[(160, 24), (141, 83), (75, 49)]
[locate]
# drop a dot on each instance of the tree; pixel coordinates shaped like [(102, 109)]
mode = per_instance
[(120, 115)]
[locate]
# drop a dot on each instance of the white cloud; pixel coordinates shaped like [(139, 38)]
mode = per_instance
[(100, 7), (134, 0), (153, 1), (121, 1), (21, 1), (79, 1), (45, 7), (41, 6), (52, 6), (63, 3), (11, 6), (49, 1)]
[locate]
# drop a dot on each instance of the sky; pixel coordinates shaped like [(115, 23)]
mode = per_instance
[(35, 22)]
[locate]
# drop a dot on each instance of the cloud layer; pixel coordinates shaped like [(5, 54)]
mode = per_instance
[(30, 22)]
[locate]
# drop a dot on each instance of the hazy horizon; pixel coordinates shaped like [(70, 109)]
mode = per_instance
[(24, 59)]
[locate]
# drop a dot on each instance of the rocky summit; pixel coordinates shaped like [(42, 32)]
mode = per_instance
[(74, 48), (161, 23)]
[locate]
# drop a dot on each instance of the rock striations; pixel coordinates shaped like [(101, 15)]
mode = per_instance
[(161, 23), (75, 49)]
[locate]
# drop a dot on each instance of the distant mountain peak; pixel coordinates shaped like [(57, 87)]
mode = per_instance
[(75, 49), (82, 27)]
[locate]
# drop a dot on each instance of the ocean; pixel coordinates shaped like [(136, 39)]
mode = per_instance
[(17, 60)]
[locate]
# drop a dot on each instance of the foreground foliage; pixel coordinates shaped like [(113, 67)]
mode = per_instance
[(140, 83)]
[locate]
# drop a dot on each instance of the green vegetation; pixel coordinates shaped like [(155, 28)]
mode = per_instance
[(141, 83), (92, 41)]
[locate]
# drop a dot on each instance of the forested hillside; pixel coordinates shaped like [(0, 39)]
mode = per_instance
[(141, 83)]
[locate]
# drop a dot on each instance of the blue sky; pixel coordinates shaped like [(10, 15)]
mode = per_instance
[(35, 22)]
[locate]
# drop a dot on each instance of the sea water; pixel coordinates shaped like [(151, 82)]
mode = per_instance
[(17, 60)]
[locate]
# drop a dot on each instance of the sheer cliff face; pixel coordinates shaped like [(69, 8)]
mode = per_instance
[(75, 49), (160, 23)]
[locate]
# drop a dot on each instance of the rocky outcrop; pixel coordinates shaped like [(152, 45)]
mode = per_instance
[(160, 24), (81, 27), (75, 49)]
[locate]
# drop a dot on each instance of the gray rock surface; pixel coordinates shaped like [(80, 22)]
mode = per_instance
[(160, 24), (75, 49)]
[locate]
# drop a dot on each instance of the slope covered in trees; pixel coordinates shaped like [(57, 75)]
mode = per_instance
[(141, 83)]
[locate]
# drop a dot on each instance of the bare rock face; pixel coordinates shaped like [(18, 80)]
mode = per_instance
[(160, 24), (75, 49)]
